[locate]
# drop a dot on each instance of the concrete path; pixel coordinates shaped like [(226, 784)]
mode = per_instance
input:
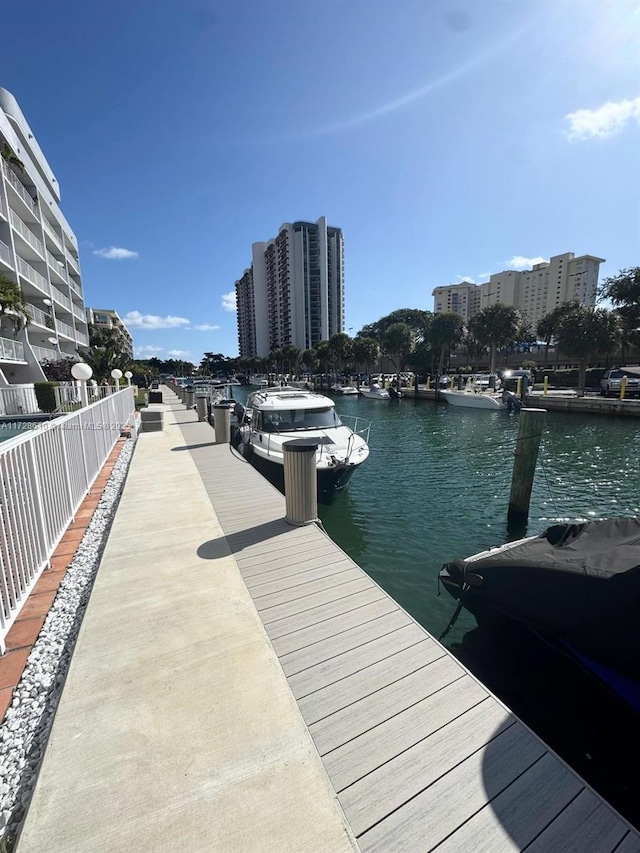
[(177, 730)]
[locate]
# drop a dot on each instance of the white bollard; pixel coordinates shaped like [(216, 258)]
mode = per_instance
[(300, 481), (201, 408), (222, 424)]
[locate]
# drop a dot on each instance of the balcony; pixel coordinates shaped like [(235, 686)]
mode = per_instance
[(40, 317), (5, 254), (33, 276), (49, 229), (61, 298), (11, 350), (26, 233), (65, 329), (75, 287), (82, 339), (44, 354), (3, 209), (20, 189), (78, 313), (57, 266), (73, 262)]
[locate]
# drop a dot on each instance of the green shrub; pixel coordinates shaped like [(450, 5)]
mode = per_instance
[(45, 395)]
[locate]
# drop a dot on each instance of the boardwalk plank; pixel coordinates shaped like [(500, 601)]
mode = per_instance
[(309, 602), (586, 824), (330, 627), (347, 724), (309, 588), (298, 621), (426, 820), (292, 570), (332, 568), (375, 747), (328, 672), (346, 692), (386, 789), (630, 844)]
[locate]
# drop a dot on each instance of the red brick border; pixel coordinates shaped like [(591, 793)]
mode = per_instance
[(25, 629)]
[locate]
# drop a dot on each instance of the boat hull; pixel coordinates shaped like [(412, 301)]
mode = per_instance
[(331, 481), (469, 400), (374, 395)]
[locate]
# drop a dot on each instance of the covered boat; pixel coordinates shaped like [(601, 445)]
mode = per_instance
[(577, 587)]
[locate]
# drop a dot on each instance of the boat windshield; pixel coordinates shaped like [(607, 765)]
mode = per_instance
[(291, 420)]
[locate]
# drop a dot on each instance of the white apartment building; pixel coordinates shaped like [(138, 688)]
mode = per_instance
[(39, 251), (107, 318), (294, 291), (535, 292)]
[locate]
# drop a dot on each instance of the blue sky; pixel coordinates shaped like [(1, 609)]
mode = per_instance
[(445, 138)]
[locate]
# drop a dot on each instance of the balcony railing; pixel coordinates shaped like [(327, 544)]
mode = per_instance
[(65, 329), (51, 232), (28, 272), (39, 316), (82, 339), (11, 350), (20, 189), (5, 253), (60, 297), (57, 266), (73, 262), (79, 313), (75, 286), (26, 233), (3, 209), (18, 400), (45, 354)]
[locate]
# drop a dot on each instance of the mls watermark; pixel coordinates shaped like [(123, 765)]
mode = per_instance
[(43, 426)]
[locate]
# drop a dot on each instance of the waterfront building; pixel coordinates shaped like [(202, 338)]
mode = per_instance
[(535, 292), (108, 319), (38, 251), (293, 293)]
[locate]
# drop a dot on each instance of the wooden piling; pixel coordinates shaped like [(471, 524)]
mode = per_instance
[(530, 429)]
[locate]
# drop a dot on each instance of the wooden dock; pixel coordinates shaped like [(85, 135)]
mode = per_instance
[(421, 755)]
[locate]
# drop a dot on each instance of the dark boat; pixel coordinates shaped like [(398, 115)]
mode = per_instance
[(575, 587)]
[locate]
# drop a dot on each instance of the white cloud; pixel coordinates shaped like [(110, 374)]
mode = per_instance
[(229, 301), (485, 275), (206, 327), (606, 120), (519, 262), (137, 320), (145, 350), (465, 278), (177, 353), (114, 253)]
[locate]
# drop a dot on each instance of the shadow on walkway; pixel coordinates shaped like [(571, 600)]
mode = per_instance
[(214, 549), (195, 446)]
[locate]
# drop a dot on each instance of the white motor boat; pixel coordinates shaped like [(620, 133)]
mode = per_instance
[(374, 393), (477, 394), (278, 415), (345, 390)]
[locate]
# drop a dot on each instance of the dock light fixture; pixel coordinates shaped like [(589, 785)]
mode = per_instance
[(117, 376), (82, 372), (128, 376)]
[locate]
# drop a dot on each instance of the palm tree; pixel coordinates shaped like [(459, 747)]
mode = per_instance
[(341, 347), (585, 331), (445, 332), (549, 324), (291, 357), (397, 343), (495, 327), (12, 304), (366, 352)]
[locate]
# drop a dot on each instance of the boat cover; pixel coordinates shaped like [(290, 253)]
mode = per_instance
[(578, 583)]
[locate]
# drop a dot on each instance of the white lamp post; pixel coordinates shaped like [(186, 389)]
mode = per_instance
[(82, 372), (117, 375), (128, 376)]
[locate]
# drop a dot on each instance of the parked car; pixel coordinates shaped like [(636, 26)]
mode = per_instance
[(611, 382)]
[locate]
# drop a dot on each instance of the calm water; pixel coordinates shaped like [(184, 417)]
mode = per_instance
[(436, 487)]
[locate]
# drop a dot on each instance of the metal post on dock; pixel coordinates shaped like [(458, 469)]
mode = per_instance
[(300, 481), (623, 387), (545, 386), (201, 407), (188, 399), (530, 429), (222, 424)]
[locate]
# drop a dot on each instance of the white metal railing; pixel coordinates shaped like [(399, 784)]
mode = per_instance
[(28, 272), (11, 350), (19, 188), (44, 477), (18, 400), (82, 339), (57, 265), (45, 354), (39, 316), (59, 296), (26, 233), (78, 313), (3, 209), (73, 262), (5, 253), (51, 232), (65, 329)]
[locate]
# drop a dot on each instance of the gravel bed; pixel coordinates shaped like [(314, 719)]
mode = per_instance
[(26, 727)]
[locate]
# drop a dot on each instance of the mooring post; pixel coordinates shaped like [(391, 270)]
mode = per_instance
[(222, 424), (201, 407), (300, 481), (623, 387), (545, 386), (530, 429)]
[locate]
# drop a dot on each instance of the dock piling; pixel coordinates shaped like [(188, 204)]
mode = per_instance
[(530, 428), (201, 407), (300, 481), (222, 424)]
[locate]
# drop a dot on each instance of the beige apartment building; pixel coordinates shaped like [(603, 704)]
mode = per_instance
[(535, 292)]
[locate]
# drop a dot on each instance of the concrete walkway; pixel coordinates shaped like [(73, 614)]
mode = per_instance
[(177, 730)]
